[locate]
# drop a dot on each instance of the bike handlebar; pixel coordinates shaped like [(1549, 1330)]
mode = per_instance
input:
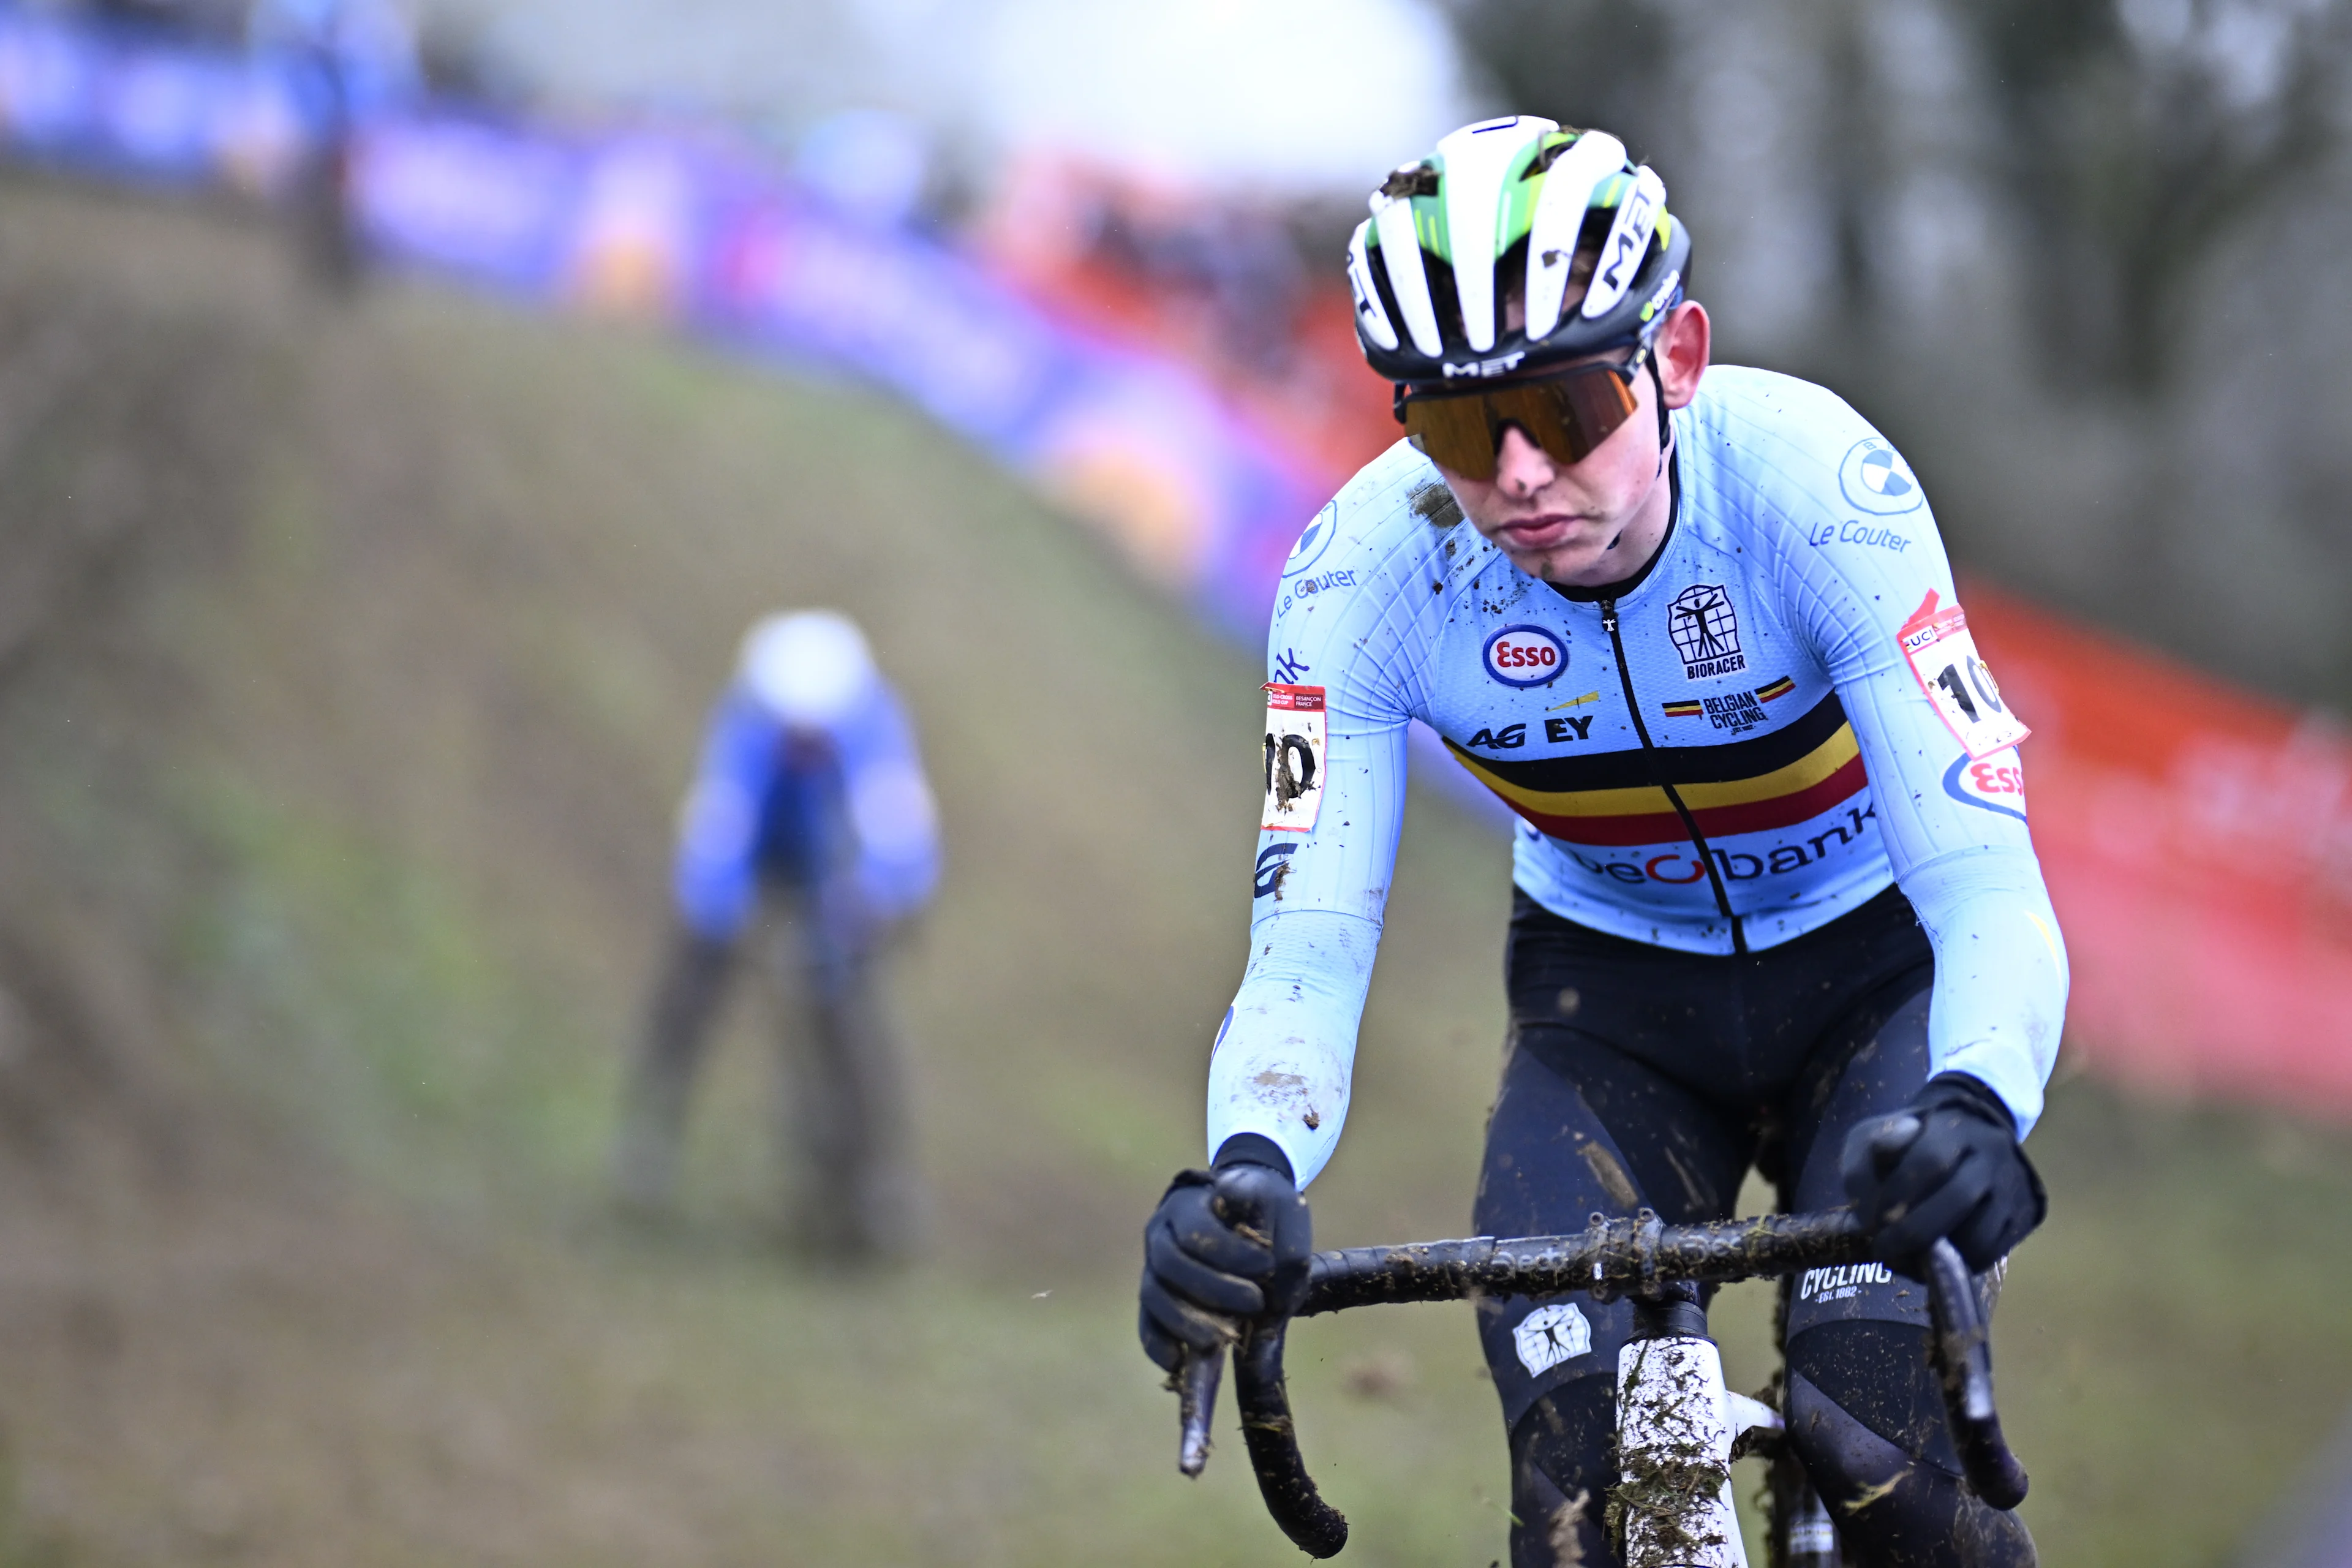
[(1614, 1257)]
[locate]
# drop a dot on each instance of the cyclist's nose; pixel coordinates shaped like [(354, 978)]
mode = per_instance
[(1522, 468)]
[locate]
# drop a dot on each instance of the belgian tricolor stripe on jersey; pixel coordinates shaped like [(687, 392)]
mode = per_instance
[(1791, 776)]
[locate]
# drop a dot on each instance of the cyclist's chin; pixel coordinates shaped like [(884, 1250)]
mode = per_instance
[(1558, 550)]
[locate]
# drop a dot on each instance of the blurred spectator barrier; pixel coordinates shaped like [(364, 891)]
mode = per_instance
[(2198, 840), (688, 227)]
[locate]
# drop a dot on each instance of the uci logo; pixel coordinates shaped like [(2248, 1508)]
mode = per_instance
[(1525, 655)]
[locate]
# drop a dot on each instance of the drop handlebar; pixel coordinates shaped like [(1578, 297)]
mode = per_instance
[(1613, 1257)]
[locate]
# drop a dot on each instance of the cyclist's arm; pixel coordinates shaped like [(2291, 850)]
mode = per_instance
[(713, 880), (1284, 1055), (890, 807), (1962, 855)]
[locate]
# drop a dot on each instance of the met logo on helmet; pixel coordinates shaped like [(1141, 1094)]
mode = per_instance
[(1525, 655), (1628, 242), (1501, 364)]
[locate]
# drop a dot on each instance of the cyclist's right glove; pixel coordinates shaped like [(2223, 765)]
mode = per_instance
[(1950, 1166), (1223, 1247)]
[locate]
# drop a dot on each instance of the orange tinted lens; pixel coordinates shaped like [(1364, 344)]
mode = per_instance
[(1569, 417), (1452, 432), (1597, 401)]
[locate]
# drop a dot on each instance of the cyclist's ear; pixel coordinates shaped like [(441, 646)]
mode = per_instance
[(1683, 350)]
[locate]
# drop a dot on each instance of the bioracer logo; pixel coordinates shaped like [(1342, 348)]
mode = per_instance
[(1706, 632)]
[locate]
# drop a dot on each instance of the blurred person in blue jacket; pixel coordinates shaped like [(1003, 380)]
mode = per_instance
[(810, 801), (350, 63)]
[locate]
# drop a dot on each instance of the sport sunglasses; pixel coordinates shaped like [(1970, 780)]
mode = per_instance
[(1568, 416)]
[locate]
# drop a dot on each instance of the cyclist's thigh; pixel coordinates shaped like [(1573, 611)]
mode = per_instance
[(1580, 1128), (1857, 1334), (1876, 1076)]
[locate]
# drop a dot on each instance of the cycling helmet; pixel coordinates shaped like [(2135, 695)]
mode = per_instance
[(1462, 270), (809, 668)]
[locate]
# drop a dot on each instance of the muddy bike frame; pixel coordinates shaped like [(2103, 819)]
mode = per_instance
[(1639, 1258)]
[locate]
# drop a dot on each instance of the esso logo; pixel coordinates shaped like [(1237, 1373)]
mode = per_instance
[(1525, 655), (1989, 778), (1996, 782)]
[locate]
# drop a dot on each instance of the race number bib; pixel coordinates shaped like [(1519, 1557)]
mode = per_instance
[(1943, 655), (1295, 741)]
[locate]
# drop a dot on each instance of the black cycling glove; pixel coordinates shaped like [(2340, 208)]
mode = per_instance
[(1949, 1166), (1222, 1246)]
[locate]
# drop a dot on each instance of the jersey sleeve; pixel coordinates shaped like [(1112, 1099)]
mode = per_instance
[(714, 876), (891, 810), (1864, 577), (1284, 1059)]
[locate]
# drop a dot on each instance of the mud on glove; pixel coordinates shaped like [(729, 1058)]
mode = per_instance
[(1223, 1247), (1949, 1166)]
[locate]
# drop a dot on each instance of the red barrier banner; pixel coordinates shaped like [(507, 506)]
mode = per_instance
[(2198, 843)]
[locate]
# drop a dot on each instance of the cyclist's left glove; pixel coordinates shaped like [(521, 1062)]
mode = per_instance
[(1223, 1246), (1950, 1165)]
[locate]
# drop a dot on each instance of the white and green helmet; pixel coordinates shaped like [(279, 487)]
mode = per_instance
[(1462, 270)]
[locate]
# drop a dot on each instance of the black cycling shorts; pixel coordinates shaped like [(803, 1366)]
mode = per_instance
[(1637, 1076)]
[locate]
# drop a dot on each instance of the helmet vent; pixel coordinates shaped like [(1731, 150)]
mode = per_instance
[(1411, 180), (1543, 160)]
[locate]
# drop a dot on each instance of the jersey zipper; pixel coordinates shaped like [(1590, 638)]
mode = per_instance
[(1674, 795)]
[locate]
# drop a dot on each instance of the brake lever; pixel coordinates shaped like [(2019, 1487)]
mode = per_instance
[(1964, 1366), (1197, 1374)]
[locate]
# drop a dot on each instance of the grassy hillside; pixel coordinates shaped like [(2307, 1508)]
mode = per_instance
[(337, 757)]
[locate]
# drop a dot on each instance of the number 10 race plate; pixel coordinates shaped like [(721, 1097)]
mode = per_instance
[(1943, 655), (1295, 746)]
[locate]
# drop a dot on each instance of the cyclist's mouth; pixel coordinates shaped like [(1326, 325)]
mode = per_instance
[(1545, 531)]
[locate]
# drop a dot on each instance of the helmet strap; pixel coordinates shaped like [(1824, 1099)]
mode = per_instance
[(1665, 429)]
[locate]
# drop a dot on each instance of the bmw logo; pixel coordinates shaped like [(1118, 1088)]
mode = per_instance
[(1874, 478), (1314, 541)]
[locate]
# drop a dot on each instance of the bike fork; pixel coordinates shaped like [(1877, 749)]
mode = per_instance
[(1675, 1427)]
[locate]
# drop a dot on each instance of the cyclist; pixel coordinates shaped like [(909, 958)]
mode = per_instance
[(811, 791), (349, 63), (1775, 901)]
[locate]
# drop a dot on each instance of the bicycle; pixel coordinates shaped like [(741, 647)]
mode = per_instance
[(1678, 1429)]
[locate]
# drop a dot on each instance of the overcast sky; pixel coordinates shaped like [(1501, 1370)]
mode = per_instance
[(1285, 96)]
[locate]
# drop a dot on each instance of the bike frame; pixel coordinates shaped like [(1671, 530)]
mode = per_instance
[(1641, 1258)]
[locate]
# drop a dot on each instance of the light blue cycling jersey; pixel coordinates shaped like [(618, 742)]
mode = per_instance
[(771, 803), (1781, 715)]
